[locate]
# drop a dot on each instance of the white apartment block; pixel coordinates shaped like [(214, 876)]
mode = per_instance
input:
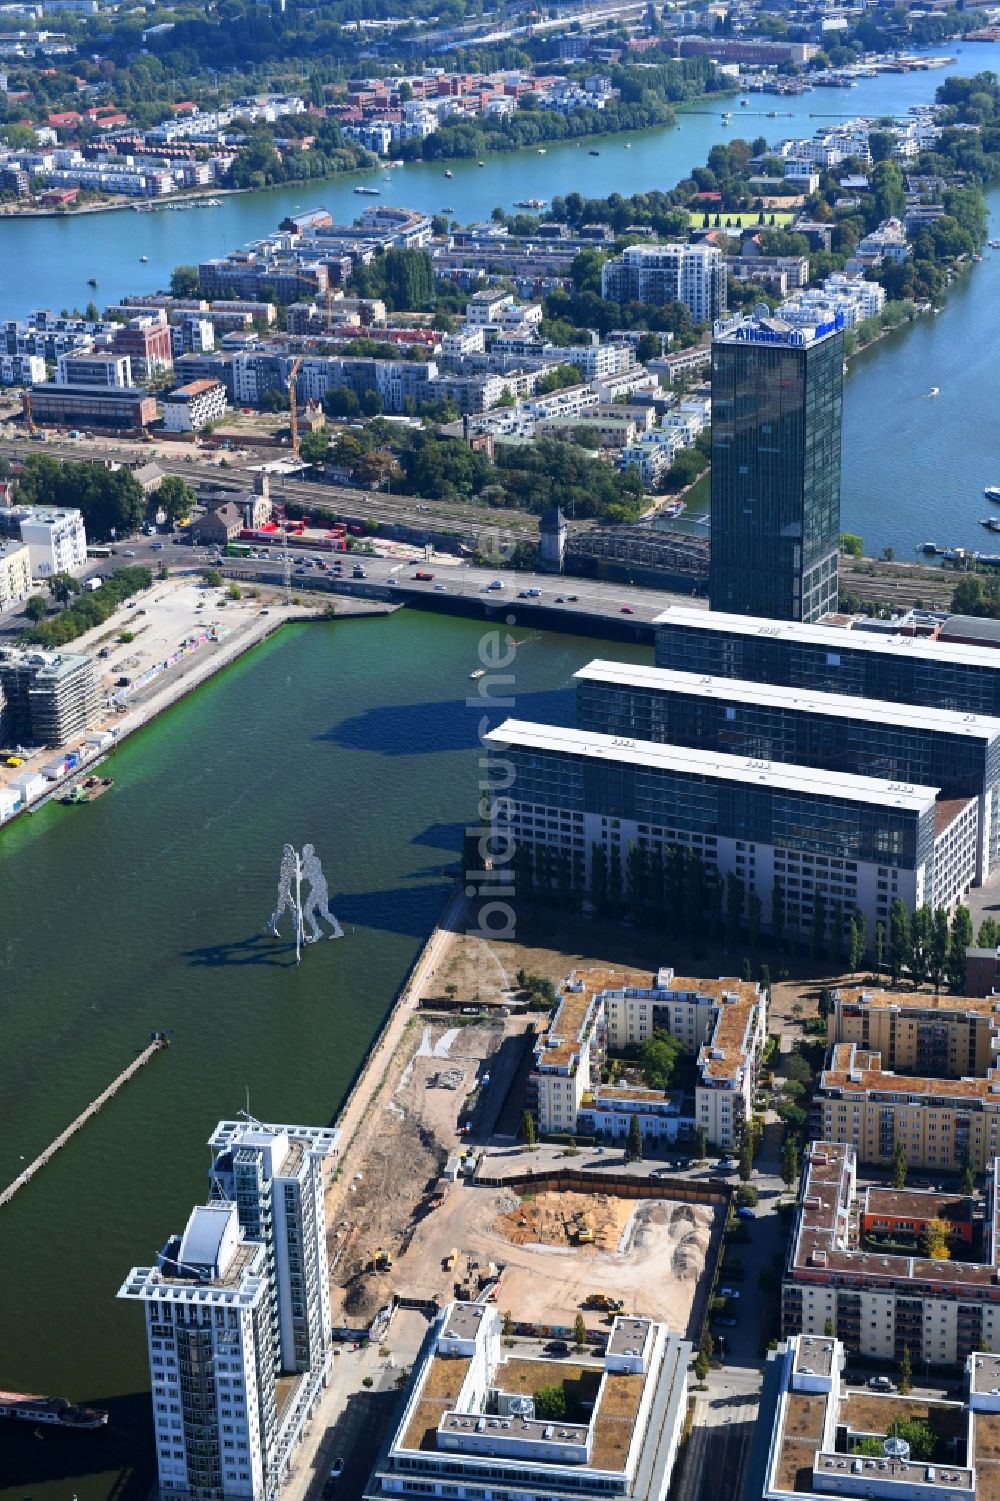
[(722, 1022), (190, 408), (692, 274), (237, 1301), (106, 371), (466, 1429), (56, 540), (210, 1338), (22, 369)]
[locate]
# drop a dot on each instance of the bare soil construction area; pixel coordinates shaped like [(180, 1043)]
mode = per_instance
[(651, 1252), (394, 1169)]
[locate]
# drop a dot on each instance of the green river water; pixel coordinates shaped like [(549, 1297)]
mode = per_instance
[(145, 910)]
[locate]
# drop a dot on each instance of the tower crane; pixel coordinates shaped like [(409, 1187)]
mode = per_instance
[(293, 409)]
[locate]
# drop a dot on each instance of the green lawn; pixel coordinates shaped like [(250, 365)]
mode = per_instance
[(737, 221)]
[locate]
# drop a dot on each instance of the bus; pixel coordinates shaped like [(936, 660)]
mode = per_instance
[(237, 549), (98, 552)]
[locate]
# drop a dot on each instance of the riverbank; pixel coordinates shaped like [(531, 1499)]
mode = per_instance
[(195, 199), (175, 652)]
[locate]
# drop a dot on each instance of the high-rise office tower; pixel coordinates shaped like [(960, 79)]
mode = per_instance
[(777, 397)]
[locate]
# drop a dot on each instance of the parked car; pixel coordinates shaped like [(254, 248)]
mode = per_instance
[(627, 610), (726, 1323), (557, 1347), (337, 1469), (728, 1292), (745, 1214), (881, 1384)]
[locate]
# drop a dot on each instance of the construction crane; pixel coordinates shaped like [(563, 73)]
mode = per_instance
[(293, 410), (26, 412), (329, 310)]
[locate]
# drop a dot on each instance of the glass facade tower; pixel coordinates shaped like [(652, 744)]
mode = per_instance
[(777, 400)]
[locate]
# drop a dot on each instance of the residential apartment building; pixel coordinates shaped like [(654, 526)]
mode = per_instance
[(907, 743), (21, 369), (813, 1422), (210, 1337), (189, 408), (949, 1037), (238, 1317), (939, 1123), (56, 539), (275, 1176), (692, 274), (146, 340), (902, 668), (15, 573), (722, 1023), (777, 409), (860, 842), (465, 1424), (880, 1302), (107, 371), (51, 697)]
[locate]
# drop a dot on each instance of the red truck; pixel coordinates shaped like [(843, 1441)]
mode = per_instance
[(422, 576)]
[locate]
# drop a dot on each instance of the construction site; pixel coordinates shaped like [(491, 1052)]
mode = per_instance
[(416, 1213)]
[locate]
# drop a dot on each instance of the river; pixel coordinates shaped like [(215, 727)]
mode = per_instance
[(146, 910)]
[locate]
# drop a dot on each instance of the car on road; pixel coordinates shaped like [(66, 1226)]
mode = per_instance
[(337, 1468), (560, 600), (573, 598), (496, 584), (728, 1292), (157, 546), (128, 554), (440, 589), (627, 610), (881, 1384), (557, 1347), (725, 1323), (523, 594)]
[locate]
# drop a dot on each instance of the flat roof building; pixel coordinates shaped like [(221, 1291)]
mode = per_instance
[(15, 573), (915, 1033), (236, 1304), (960, 753), (469, 1416), (831, 658), (93, 406), (51, 697), (857, 841), (777, 412), (938, 1123), (880, 1302), (721, 1023), (820, 1437)]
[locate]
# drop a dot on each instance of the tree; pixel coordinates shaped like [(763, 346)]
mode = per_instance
[(184, 281), (967, 1183), (746, 1157), (36, 609), (988, 936), (633, 1146), (899, 1165), (879, 946), (550, 1403), (211, 577), (527, 1131), (899, 939), (789, 1162), (921, 938), (62, 586), (175, 497), (700, 1141), (659, 1059), (580, 1331), (938, 963), (315, 446), (856, 941), (828, 1334), (905, 1372), (961, 938), (935, 1240), (112, 502), (507, 1327), (747, 1196)]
